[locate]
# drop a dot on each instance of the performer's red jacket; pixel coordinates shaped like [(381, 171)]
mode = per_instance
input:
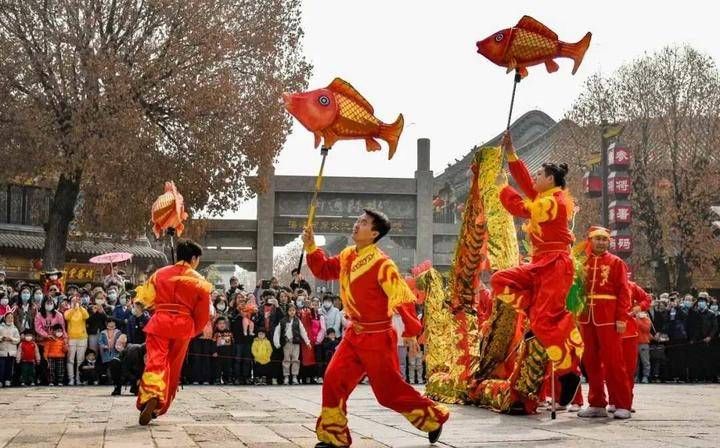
[(608, 292), (638, 297), (180, 297), (371, 287), (548, 212)]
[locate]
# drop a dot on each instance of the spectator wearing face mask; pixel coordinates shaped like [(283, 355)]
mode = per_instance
[(26, 310), (28, 356), (97, 321), (76, 318), (55, 348), (9, 340), (136, 323), (121, 313), (107, 341), (677, 345), (37, 297), (47, 318), (112, 296), (332, 315), (702, 328), (5, 306)]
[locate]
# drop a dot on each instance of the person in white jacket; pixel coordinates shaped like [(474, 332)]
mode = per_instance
[(333, 316), (9, 340), (289, 334)]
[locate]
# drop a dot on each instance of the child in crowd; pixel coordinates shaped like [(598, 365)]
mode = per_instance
[(261, 351), (9, 340), (28, 356), (289, 334), (88, 370), (224, 340), (106, 342), (55, 348), (329, 346)]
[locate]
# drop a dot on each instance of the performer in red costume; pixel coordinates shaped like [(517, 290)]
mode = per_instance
[(602, 324), (639, 301), (371, 289), (181, 300), (539, 288)]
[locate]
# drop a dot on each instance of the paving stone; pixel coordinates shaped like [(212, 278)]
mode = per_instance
[(284, 416)]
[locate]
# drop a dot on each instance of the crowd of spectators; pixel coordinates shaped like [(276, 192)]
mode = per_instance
[(274, 334)]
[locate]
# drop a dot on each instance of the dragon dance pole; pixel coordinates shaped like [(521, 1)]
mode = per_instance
[(313, 203)]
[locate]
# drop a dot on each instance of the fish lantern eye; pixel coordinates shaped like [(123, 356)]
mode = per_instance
[(324, 100), (499, 37)]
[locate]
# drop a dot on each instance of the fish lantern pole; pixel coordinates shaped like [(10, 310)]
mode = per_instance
[(324, 151), (170, 232), (516, 80), (339, 112)]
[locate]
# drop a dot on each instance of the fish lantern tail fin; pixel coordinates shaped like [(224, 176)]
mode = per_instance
[(576, 51), (391, 134)]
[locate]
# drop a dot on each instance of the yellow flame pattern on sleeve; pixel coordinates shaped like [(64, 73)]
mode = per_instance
[(395, 287)]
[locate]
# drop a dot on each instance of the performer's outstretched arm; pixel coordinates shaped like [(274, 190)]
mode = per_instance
[(322, 266), (518, 169)]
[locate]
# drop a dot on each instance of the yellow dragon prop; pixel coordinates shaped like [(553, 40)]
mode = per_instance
[(476, 351)]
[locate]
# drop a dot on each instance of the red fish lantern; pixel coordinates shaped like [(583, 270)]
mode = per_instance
[(531, 43), (339, 112), (168, 211)]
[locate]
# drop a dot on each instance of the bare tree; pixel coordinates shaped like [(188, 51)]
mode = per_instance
[(108, 99), (669, 104)]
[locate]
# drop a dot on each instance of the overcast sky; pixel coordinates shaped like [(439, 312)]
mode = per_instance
[(418, 57)]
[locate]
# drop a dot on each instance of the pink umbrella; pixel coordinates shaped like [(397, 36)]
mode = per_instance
[(112, 257)]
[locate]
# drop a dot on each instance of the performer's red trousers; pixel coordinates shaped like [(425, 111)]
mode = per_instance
[(374, 354), (604, 362), (163, 366), (630, 354), (540, 289)]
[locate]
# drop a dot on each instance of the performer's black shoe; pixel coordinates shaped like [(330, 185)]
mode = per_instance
[(569, 384), (326, 445), (434, 436), (148, 412)]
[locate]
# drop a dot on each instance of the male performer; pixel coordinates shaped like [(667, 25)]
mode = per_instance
[(539, 288), (371, 289), (181, 299), (602, 324)]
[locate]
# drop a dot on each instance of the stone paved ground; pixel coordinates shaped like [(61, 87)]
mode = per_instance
[(284, 416)]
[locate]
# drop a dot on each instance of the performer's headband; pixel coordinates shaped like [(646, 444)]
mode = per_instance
[(599, 231)]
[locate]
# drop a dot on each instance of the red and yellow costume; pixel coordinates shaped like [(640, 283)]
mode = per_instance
[(181, 300), (608, 302), (372, 290), (539, 288), (641, 299)]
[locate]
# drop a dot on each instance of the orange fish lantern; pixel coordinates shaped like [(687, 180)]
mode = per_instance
[(339, 112), (168, 211), (531, 43)]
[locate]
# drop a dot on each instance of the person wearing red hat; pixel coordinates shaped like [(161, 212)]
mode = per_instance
[(539, 288), (602, 323)]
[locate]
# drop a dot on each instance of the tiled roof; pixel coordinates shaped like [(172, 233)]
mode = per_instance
[(31, 238), (530, 136)]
